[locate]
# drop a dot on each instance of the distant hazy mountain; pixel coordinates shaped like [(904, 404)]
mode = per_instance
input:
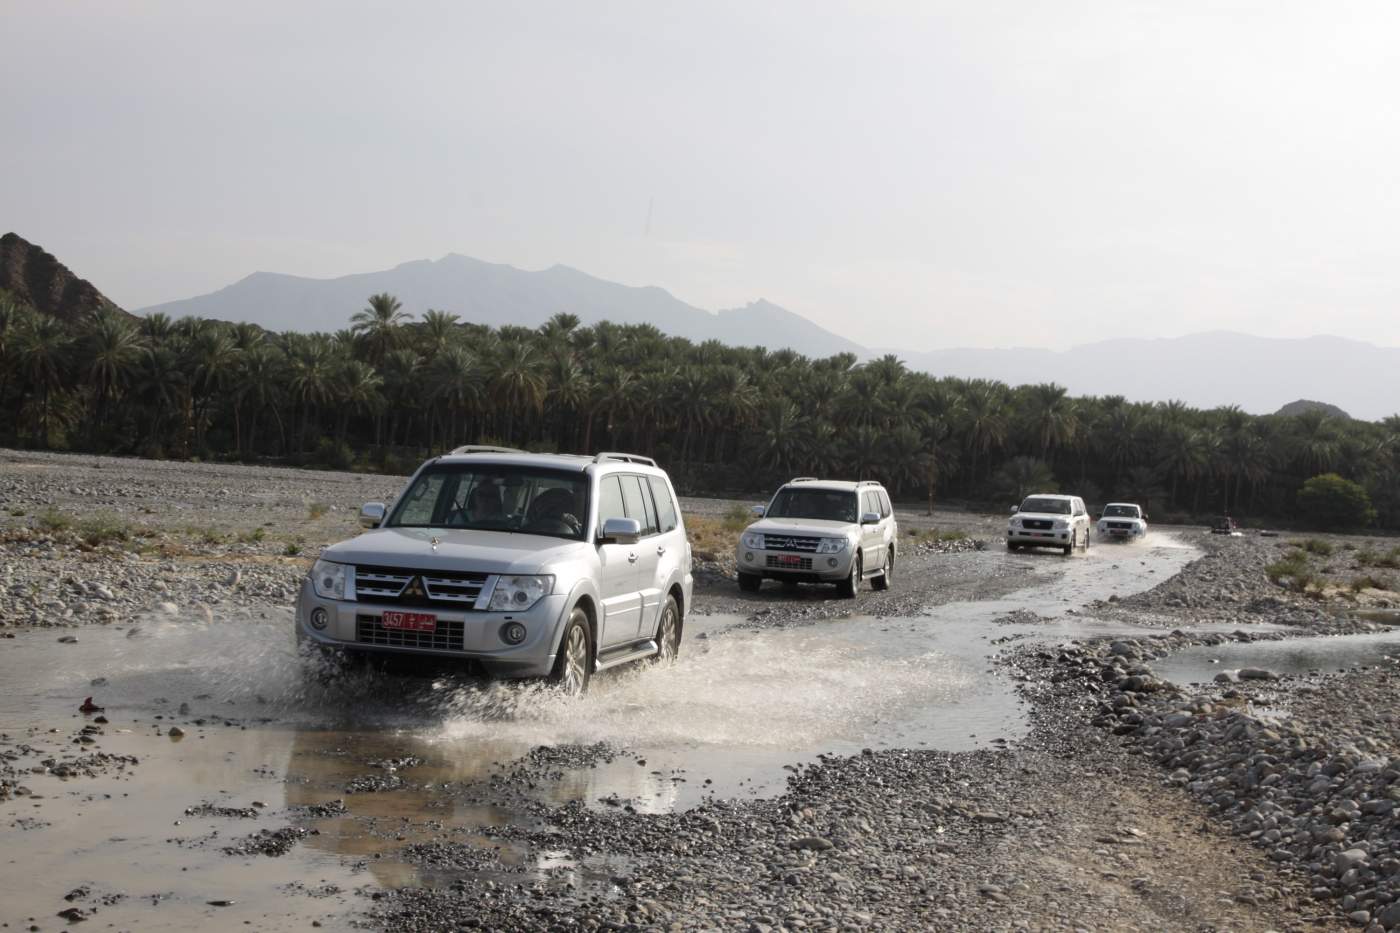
[(36, 278), (1205, 370), (1304, 405), (487, 293)]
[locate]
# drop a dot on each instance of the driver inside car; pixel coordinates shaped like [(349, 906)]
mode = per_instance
[(484, 507), (556, 506)]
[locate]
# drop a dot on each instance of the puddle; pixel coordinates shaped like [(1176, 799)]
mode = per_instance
[(1318, 654), (722, 723)]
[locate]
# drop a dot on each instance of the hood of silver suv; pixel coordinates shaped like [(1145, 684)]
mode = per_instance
[(801, 526), (481, 551)]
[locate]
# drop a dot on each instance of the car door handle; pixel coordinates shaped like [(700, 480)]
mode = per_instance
[(631, 558), (660, 551)]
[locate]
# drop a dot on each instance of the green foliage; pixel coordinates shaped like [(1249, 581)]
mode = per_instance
[(1291, 571), (53, 520), (1315, 546), (1369, 581), (1332, 502), (737, 517), (104, 528), (252, 537), (292, 549), (394, 388), (315, 510), (1369, 558)]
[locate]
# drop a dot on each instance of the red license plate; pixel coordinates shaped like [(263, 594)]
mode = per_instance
[(409, 621), (789, 559)]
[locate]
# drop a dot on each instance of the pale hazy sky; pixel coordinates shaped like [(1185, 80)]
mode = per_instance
[(919, 175)]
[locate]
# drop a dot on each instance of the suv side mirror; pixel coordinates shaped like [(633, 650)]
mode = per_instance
[(622, 531), (870, 518), (758, 511), (372, 514), (1015, 509)]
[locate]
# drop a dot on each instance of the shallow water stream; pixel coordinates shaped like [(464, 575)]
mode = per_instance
[(742, 703)]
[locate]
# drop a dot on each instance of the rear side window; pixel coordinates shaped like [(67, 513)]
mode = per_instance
[(609, 500), (665, 505), (638, 503), (885, 507), (872, 504)]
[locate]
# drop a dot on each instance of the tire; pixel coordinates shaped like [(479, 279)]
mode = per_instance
[(573, 664), (750, 582), (883, 581), (1088, 533), (668, 633), (849, 587), (1012, 546)]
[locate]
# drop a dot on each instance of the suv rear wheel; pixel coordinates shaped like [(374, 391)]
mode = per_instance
[(573, 665), (848, 587), (883, 581)]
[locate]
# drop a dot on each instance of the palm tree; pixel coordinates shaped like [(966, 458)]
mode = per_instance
[(112, 353), (379, 325), (984, 408), (778, 445), (517, 384), (456, 383), (355, 391), (439, 328), (1051, 415), (310, 382), (42, 351)]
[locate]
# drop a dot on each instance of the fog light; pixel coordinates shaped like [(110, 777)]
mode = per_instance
[(831, 562), (748, 556), (512, 633), (319, 618)]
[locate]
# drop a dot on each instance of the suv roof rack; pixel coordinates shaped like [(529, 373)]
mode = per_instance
[(868, 482), (485, 449), (804, 479), (629, 458)]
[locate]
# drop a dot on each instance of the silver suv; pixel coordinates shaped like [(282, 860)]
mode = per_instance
[(524, 565), (822, 531)]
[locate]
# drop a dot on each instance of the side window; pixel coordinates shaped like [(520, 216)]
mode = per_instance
[(871, 503), (885, 508), (638, 505), (609, 500), (665, 505)]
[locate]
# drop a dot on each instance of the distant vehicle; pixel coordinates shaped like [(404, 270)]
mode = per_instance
[(1049, 520), (519, 564), (1225, 525), (822, 531), (1122, 521)]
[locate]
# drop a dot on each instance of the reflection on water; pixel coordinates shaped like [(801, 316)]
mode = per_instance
[(1324, 653)]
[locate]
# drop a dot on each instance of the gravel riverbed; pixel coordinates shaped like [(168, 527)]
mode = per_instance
[(1258, 800)]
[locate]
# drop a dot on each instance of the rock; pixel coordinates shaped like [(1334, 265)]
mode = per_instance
[(176, 732), (73, 914), (168, 608), (1256, 673), (233, 577), (811, 844)]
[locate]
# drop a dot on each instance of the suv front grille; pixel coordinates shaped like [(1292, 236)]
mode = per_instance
[(790, 543), (1123, 525), (1040, 524), (448, 636), (777, 563), (415, 588)]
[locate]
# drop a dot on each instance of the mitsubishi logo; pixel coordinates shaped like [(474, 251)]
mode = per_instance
[(414, 588), (790, 543)]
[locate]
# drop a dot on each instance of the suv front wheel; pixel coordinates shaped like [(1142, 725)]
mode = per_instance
[(848, 587), (750, 582), (668, 633), (573, 665)]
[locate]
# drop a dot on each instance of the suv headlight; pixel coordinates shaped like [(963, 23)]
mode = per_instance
[(1014, 523), (831, 545), (330, 580), (753, 540), (519, 593), (1061, 524)]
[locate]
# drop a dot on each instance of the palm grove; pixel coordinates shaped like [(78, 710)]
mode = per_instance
[(390, 389)]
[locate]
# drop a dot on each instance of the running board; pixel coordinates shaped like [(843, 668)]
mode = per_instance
[(621, 654)]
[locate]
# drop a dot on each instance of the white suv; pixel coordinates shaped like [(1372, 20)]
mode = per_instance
[(822, 531), (523, 565), (1123, 521), (1049, 521)]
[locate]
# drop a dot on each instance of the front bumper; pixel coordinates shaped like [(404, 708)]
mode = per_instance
[(1121, 534), (802, 566), (1035, 537), (353, 626)]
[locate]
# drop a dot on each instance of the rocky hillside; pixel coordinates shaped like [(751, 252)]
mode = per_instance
[(34, 277), (1304, 405)]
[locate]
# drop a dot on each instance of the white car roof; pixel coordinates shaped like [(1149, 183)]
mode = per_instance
[(578, 462), (836, 484), (1049, 495), (1131, 505)]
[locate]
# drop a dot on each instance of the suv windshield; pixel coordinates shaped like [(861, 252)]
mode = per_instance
[(831, 504), (1121, 511), (495, 497), (1046, 506)]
